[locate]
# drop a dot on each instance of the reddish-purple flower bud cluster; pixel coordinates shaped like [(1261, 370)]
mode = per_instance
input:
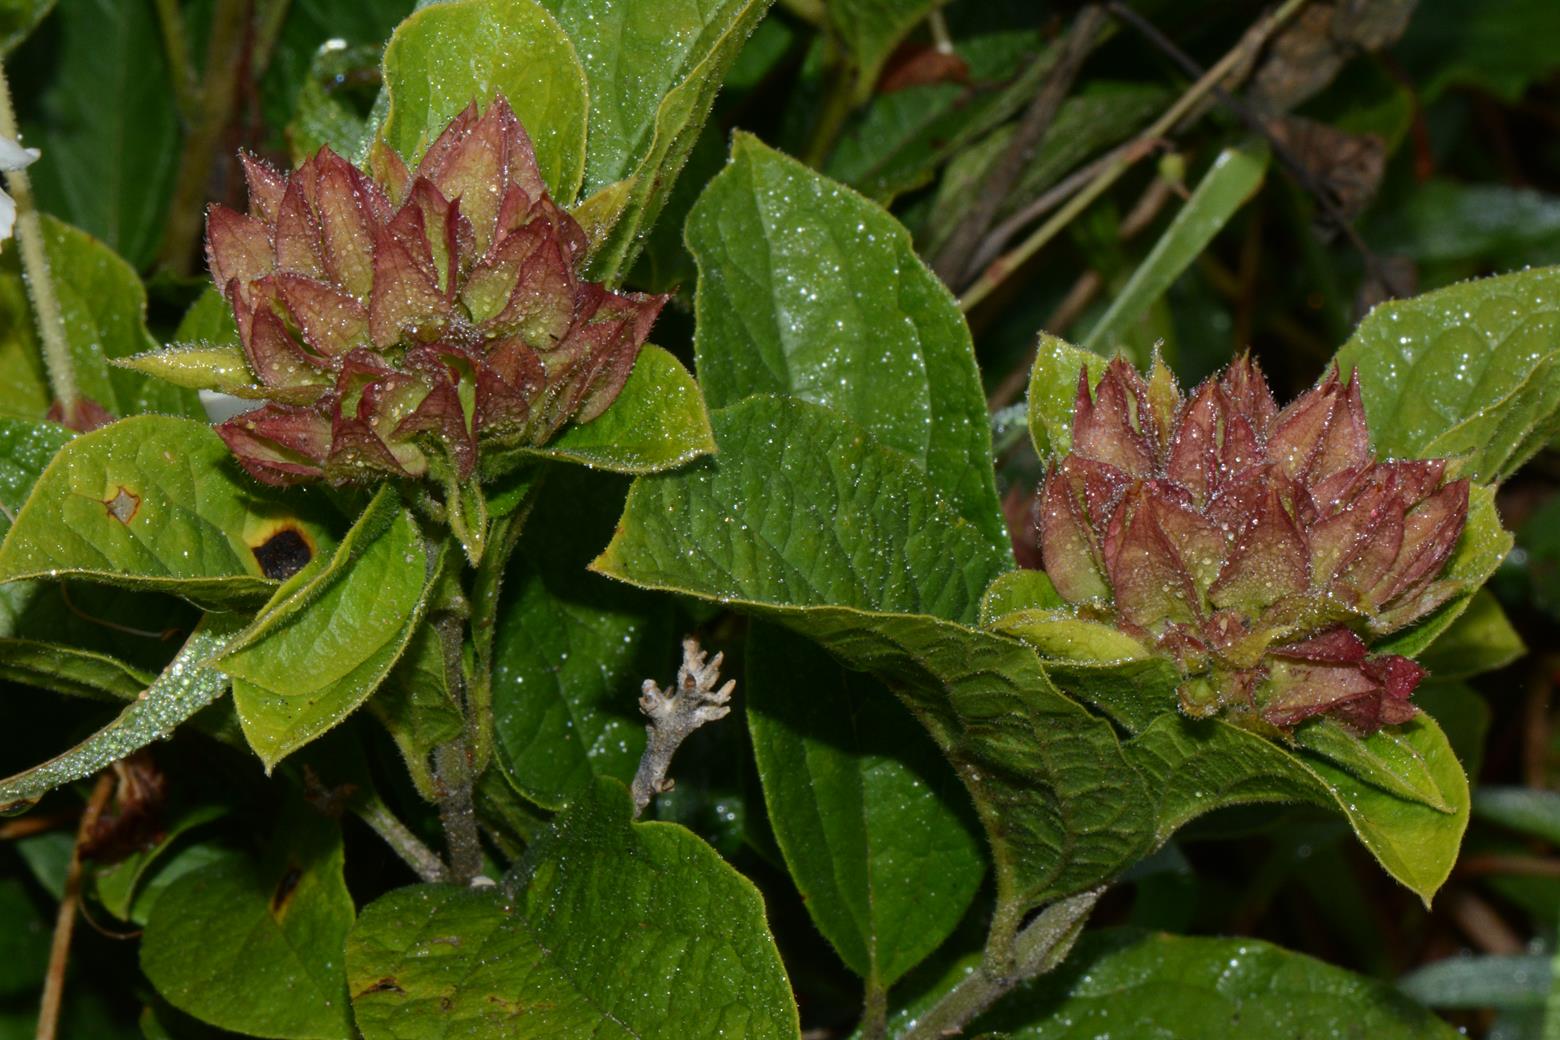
[(1254, 546), (421, 310)]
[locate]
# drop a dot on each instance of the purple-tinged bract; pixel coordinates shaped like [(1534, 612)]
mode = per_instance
[(1259, 548), (404, 318)]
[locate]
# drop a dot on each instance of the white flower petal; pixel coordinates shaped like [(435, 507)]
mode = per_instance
[(7, 216), (13, 156)]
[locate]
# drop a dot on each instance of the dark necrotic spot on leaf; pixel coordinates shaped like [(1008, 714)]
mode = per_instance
[(122, 505), (384, 985), (284, 553), (284, 889)]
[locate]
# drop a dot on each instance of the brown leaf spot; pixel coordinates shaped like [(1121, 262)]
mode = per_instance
[(283, 553), (122, 505), (388, 984), (284, 889)]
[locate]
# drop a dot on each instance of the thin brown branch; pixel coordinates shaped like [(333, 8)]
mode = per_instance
[(1514, 866), (674, 714), (1001, 267), (65, 920), (1483, 927), (953, 261)]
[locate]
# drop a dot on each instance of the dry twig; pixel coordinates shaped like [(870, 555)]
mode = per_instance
[(674, 714)]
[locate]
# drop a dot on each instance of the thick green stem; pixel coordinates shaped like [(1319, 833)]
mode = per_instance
[(1036, 949), (57, 358)]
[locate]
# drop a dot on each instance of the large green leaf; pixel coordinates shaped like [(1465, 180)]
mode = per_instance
[(808, 289), (447, 55), (1234, 177), (618, 931), (1471, 371), (256, 947), (185, 686), (657, 422), (1172, 987), (103, 306), (572, 648), (803, 518), (863, 807), (801, 507), (330, 635), (156, 502), (102, 113), (1193, 767), (654, 70)]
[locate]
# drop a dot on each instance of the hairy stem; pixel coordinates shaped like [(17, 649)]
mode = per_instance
[(999, 269), (65, 920), (425, 863), (57, 358), (1036, 949), (452, 763)]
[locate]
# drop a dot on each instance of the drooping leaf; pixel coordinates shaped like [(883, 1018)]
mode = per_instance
[(863, 807), (1234, 177), (618, 930), (800, 517), (1481, 639), (155, 502), (104, 119), (653, 71), (1129, 984), (447, 55), (256, 947), (330, 635), (572, 648), (807, 289), (1470, 371), (103, 307), (185, 686), (657, 422)]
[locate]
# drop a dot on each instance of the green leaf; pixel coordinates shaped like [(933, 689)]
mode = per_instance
[(1129, 984), (1499, 49), (1444, 221), (447, 55), (654, 71), (657, 422), (870, 30), (1386, 758), (256, 947), (1053, 392), (26, 448), (1194, 767), (105, 121), (310, 26), (24, 388), (572, 648), (1484, 543), (18, 18), (863, 807), (209, 321), (330, 635), (69, 669), (323, 118), (1234, 178), (800, 517), (103, 306), (1523, 809), (808, 289), (1023, 589), (1490, 981), (803, 508), (117, 884), (1471, 371), (155, 502), (1060, 634), (1480, 640), (185, 686), (618, 930), (417, 707)]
